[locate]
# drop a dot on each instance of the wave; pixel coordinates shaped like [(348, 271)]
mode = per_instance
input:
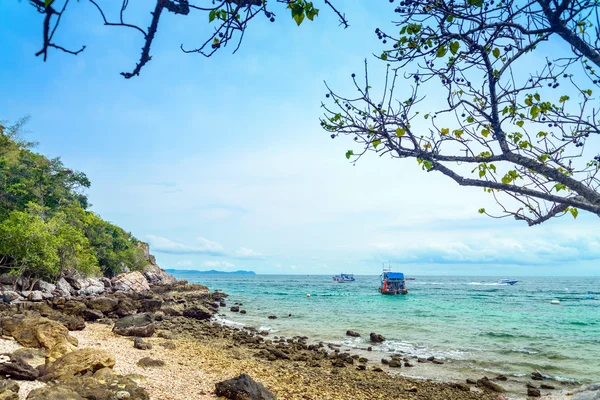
[(485, 283)]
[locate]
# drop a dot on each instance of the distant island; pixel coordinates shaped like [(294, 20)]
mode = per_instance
[(211, 272)]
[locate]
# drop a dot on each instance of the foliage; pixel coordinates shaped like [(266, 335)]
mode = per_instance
[(45, 228), (519, 81), (229, 18)]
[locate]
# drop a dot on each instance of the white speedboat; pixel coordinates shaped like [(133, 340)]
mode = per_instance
[(507, 282)]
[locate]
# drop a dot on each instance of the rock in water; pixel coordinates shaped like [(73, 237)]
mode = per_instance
[(376, 338), (531, 392), (243, 388), (487, 384), (140, 325), (352, 333), (77, 362), (14, 367)]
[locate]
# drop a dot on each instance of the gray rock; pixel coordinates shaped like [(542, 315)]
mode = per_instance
[(16, 368), (376, 338), (103, 303), (10, 295), (243, 387), (131, 282), (487, 384), (64, 288), (199, 313), (352, 333), (140, 325), (139, 344), (36, 295), (92, 315), (531, 392), (150, 362), (44, 286)]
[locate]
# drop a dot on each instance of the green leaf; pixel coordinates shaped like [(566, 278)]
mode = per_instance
[(384, 56), (450, 18), (574, 212), (482, 211), (496, 52), (376, 142), (454, 46), (211, 15), (311, 14), (400, 132), (349, 154), (48, 2), (441, 51), (445, 131), (485, 132), (520, 124)]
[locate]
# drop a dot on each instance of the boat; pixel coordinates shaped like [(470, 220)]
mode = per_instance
[(392, 282), (344, 278), (507, 282)]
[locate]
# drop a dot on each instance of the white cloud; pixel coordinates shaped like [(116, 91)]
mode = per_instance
[(163, 245), (218, 264), (185, 263), (244, 252)]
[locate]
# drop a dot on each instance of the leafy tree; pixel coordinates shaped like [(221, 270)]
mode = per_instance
[(519, 82), (230, 19)]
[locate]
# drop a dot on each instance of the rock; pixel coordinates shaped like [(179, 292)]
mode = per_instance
[(73, 307), (42, 332), (412, 389), (437, 362), (168, 345), (63, 288), (531, 392), (36, 295), (77, 362), (9, 390), (123, 395), (148, 362), (44, 286), (54, 393), (471, 381), (547, 387), (537, 376), (157, 276), (461, 386), (407, 364), (140, 325), (235, 309), (272, 317), (12, 366), (151, 305), (70, 322), (106, 282), (139, 343), (126, 307), (377, 369), (222, 304), (92, 315), (105, 385), (242, 311), (197, 312), (395, 364), (369, 348), (361, 367), (10, 295), (501, 378), (487, 384), (165, 335), (103, 304), (33, 357), (530, 385), (352, 333), (385, 361), (430, 358), (131, 282), (376, 338), (243, 387)]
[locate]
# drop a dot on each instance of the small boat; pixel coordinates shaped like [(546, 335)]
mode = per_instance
[(392, 282), (409, 279), (507, 282), (344, 278)]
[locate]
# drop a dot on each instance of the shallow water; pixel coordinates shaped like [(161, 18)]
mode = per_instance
[(474, 324)]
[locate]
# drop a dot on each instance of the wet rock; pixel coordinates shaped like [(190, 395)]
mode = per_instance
[(437, 362), (530, 385), (430, 358), (547, 387), (407, 364), (139, 343), (461, 386), (501, 378), (471, 381), (148, 362), (531, 392), (376, 338), (395, 364), (222, 304), (140, 325), (536, 376), (92, 315), (272, 317), (361, 367), (12, 366), (352, 333), (242, 311), (103, 304), (377, 369), (197, 312), (369, 348), (235, 309), (151, 305), (77, 362), (243, 387), (487, 384)]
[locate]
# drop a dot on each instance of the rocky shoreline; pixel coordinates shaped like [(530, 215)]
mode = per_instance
[(88, 338)]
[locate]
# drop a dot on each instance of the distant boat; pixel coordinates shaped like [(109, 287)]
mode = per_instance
[(506, 282), (409, 279), (344, 278), (392, 282)]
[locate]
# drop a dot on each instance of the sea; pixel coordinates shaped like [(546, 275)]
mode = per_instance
[(473, 324)]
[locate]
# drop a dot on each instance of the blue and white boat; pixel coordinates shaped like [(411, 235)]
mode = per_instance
[(507, 282), (344, 278)]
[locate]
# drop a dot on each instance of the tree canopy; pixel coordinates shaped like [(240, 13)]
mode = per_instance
[(230, 19), (45, 227), (500, 95)]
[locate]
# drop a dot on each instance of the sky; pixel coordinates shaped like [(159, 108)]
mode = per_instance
[(220, 163)]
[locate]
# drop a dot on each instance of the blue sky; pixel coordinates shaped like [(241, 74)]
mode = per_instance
[(221, 163)]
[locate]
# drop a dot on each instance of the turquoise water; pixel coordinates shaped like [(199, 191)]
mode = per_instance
[(473, 323)]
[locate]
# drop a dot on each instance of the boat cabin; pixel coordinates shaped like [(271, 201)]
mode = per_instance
[(392, 283)]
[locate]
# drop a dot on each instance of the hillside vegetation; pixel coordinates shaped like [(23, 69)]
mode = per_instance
[(46, 228)]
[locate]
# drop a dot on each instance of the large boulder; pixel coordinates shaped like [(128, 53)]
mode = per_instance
[(131, 282), (70, 322), (15, 367), (36, 295), (126, 307), (140, 325), (73, 307), (77, 362), (105, 386), (54, 392), (63, 288), (151, 305), (352, 333), (44, 286), (91, 286), (243, 388), (157, 276), (10, 295), (103, 303), (41, 332), (197, 312)]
